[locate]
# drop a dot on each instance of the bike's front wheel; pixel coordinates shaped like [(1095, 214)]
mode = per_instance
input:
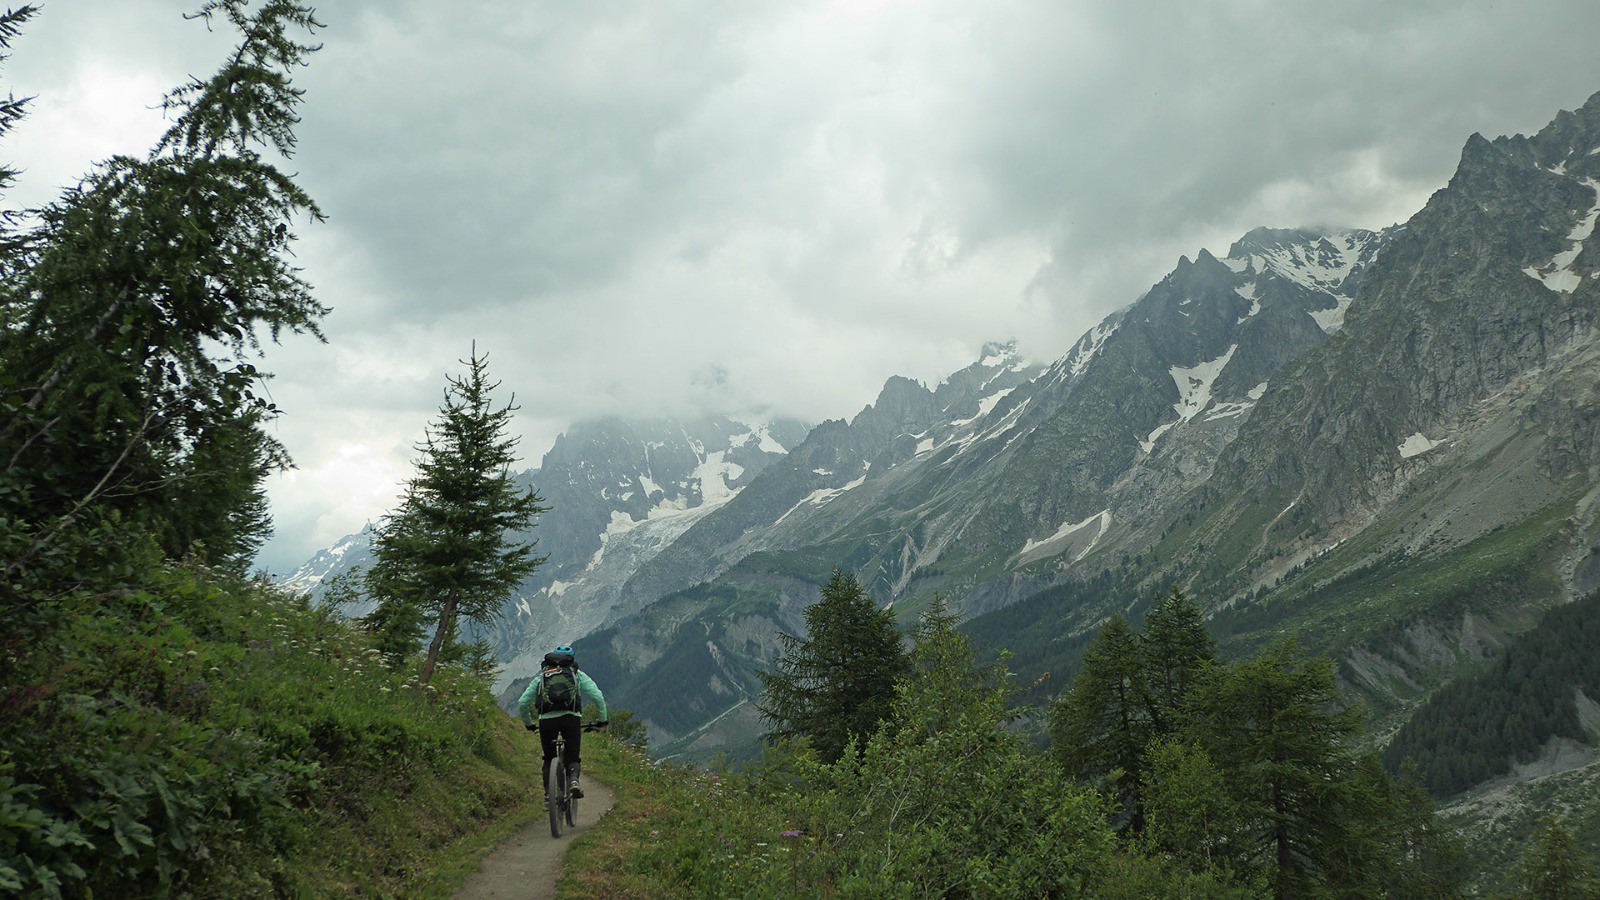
[(556, 789)]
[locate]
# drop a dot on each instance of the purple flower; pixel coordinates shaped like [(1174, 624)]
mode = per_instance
[(791, 833)]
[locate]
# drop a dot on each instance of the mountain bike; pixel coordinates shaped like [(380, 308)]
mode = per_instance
[(563, 806)]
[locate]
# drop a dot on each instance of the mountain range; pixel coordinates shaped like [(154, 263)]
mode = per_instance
[(1383, 443)]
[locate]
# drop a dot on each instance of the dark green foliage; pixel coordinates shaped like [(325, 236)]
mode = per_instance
[(1554, 867), (12, 109), (1101, 726), (1474, 728), (944, 800), (200, 736), (1129, 693), (627, 728), (1244, 773), (837, 682), (1274, 727), (446, 551), (1174, 649), (132, 311), (224, 517)]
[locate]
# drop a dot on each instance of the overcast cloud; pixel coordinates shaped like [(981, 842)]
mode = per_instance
[(660, 207)]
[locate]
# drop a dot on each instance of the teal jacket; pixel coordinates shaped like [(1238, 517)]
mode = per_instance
[(587, 690)]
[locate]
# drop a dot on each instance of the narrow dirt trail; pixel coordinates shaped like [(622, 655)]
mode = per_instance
[(528, 864)]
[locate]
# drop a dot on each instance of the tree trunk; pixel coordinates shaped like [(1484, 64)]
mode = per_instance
[(447, 617)]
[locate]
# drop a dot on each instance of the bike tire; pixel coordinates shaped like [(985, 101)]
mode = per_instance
[(572, 809), (556, 786)]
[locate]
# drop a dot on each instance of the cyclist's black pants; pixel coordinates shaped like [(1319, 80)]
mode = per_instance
[(569, 727)]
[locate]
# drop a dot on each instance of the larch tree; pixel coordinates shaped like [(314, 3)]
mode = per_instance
[(449, 550), (132, 310), (1554, 867), (1101, 725), (837, 682), (1174, 648), (1276, 728)]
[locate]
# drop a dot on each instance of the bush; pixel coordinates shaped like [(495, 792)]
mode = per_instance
[(193, 736)]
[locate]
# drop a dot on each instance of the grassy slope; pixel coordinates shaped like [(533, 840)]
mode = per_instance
[(211, 737)]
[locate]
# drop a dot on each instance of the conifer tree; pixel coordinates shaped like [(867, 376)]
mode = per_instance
[(1275, 727), (838, 681), (1130, 693), (1174, 649), (133, 308), (1101, 726), (1554, 867), (447, 550)]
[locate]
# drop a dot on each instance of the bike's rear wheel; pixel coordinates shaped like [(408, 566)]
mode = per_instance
[(556, 790)]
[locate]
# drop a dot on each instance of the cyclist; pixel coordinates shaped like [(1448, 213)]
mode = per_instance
[(557, 694)]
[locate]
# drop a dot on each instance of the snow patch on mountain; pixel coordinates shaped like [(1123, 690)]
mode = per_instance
[(1063, 536), (1557, 274), (985, 406), (1194, 393), (1322, 266), (1331, 320), (1229, 410), (714, 476), (1088, 346), (822, 496), (1416, 445)]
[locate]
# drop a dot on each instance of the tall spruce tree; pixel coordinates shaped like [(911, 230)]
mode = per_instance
[(838, 681), (1554, 867), (1174, 650), (133, 309), (1130, 693), (447, 551), (1275, 727), (1101, 725)]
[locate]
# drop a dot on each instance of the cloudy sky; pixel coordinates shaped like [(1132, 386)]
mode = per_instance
[(664, 207)]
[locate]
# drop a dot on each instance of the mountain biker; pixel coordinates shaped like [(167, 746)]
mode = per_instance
[(557, 717)]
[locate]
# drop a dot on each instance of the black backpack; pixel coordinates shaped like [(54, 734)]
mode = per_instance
[(558, 685)]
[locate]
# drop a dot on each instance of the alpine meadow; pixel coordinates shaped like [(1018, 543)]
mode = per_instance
[(1283, 581)]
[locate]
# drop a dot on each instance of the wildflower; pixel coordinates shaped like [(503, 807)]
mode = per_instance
[(790, 833)]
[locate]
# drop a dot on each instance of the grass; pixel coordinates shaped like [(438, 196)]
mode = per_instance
[(1496, 830), (211, 736), (1334, 604)]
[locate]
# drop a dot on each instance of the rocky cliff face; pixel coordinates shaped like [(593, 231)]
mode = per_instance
[(1489, 289)]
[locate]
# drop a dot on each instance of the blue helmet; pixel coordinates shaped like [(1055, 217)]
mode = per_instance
[(563, 649)]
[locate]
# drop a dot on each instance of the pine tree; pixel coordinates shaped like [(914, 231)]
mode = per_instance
[(446, 551), (133, 308), (837, 682), (1101, 725), (1275, 728), (1554, 867), (1174, 649)]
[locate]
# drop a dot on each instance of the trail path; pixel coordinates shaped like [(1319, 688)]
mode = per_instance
[(528, 864)]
